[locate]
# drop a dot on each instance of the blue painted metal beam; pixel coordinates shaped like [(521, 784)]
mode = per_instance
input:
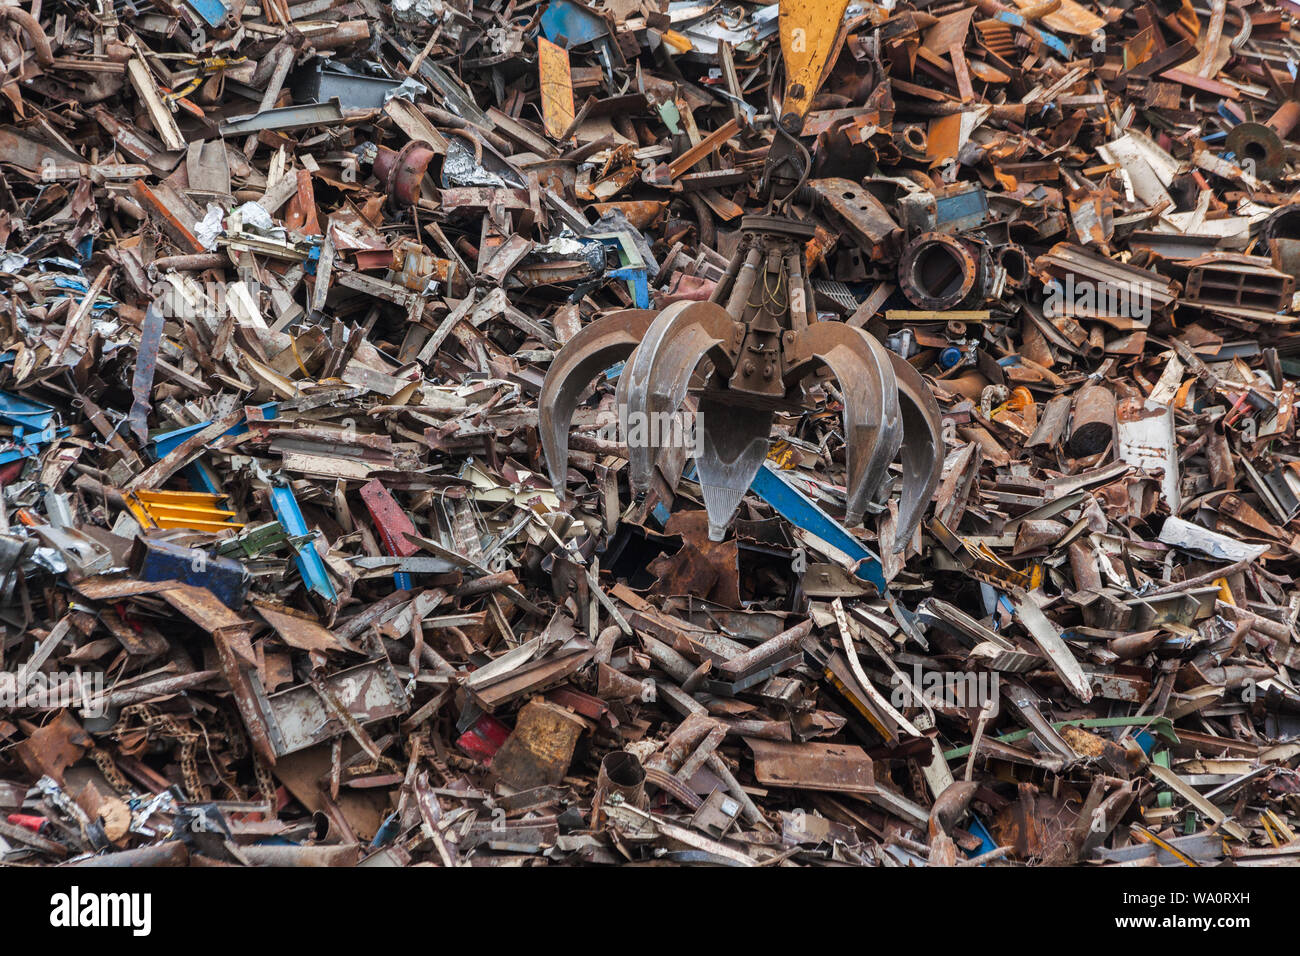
[(34, 423), (310, 565), (199, 474), (1016, 20), (797, 508)]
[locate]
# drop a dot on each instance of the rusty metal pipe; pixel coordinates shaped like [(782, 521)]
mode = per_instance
[(486, 584), (171, 853), (194, 261), (992, 8), (1092, 427), (35, 34), (745, 280), (620, 774), (347, 854), (763, 729), (613, 684), (605, 642), (940, 272), (676, 666), (1096, 342), (444, 118), (129, 207), (1285, 119), (347, 33), (97, 490), (684, 739), (769, 649), (1012, 112), (1136, 645), (403, 171), (950, 805), (1262, 625)]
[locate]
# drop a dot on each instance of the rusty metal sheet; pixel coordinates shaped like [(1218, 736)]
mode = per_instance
[(838, 768), (538, 751), (556, 87), (297, 718)]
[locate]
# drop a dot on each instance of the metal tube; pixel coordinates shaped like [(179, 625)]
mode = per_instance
[(747, 808), (769, 649), (32, 27), (798, 292), (744, 284), (196, 262), (171, 853), (1092, 427), (676, 666), (1285, 119), (620, 773), (347, 854), (684, 738)]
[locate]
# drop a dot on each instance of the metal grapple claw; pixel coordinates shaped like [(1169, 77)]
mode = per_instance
[(595, 348), (760, 347), (656, 378), (873, 426), (923, 448)]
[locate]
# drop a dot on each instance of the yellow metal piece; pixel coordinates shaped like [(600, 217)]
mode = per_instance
[(811, 34), (213, 64), (1225, 592), (677, 41), (781, 454), (1275, 827), (185, 90), (557, 87), (1187, 19), (1021, 398), (1268, 830), (858, 704), (983, 563), (1147, 836), (195, 510)]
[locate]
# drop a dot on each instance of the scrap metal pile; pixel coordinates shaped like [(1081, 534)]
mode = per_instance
[(288, 578)]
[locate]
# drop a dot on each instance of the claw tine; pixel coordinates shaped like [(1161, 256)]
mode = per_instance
[(631, 390), (660, 373), (891, 424), (596, 346), (872, 425), (923, 449), (734, 442)]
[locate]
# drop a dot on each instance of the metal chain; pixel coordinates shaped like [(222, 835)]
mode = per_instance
[(265, 783), (104, 761), (194, 786), (163, 725)]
